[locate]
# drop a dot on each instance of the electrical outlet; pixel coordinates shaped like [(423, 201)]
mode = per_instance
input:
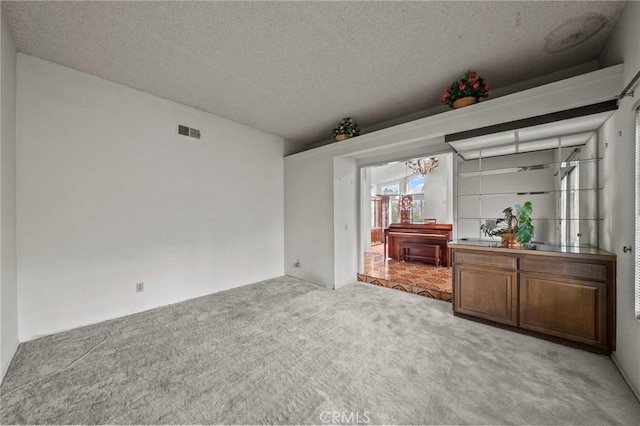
[(139, 287)]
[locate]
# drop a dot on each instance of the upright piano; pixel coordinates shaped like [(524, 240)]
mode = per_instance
[(402, 240)]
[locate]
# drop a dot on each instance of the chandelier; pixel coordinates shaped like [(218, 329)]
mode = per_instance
[(423, 165)]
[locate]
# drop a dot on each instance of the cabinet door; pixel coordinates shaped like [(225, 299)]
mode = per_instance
[(572, 309), (487, 293)]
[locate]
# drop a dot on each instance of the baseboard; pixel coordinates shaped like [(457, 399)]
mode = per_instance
[(5, 368), (345, 283), (162, 305), (626, 377)]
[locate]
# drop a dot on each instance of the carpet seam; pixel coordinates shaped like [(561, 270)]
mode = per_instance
[(56, 372)]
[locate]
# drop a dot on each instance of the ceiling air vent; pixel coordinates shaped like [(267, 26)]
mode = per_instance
[(188, 131)]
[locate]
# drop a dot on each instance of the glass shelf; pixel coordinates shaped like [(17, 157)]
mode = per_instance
[(529, 168), (533, 218), (551, 191), (561, 183)]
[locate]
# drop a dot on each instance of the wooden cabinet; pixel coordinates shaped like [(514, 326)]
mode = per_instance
[(491, 295), (565, 297), (566, 308)]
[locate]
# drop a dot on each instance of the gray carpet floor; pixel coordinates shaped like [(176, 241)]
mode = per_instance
[(288, 352)]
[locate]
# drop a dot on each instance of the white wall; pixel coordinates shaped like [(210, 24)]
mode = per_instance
[(108, 195), (366, 190), (308, 218), (438, 193), (309, 175), (388, 173), (8, 280), (345, 221), (617, 205)]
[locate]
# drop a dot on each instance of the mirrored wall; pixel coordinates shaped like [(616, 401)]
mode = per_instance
[(561, 182)]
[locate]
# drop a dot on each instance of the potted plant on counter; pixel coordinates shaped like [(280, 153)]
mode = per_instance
[(346, 129), (515, 228)]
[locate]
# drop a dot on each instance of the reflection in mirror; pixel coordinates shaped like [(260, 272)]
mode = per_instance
[(562, 184)]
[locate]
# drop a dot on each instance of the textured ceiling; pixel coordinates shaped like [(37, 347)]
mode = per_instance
[(294, 69)]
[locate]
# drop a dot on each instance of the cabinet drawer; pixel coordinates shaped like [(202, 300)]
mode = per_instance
[(498, 261), (559, 266)]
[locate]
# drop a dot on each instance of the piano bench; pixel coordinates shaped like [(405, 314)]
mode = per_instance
[(426, 252)]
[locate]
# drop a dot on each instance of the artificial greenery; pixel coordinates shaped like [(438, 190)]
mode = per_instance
[(525, 228), (347, 127), (518, 223), (508, 224), (469, 85)]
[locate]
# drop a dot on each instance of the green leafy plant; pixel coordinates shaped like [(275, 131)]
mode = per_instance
[(469, 85), (525, 228), (508, 224), (518, 223), (347, 127)]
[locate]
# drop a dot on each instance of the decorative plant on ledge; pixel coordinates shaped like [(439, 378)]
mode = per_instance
[(469, 90), (346, 129), (513, 226)]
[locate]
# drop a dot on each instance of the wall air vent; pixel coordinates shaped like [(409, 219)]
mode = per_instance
[(188, 131)]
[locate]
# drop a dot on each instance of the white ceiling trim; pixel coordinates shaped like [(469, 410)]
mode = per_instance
[(594, 87)]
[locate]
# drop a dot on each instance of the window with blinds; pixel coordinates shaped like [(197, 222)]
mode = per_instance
[(637, 242)]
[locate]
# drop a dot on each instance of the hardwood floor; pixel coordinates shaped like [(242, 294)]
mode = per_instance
[(410, 276)]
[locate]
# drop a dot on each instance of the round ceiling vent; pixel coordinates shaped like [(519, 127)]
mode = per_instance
[(574, 31)]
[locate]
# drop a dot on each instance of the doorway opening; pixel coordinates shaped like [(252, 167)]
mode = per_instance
[(407, 220)]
